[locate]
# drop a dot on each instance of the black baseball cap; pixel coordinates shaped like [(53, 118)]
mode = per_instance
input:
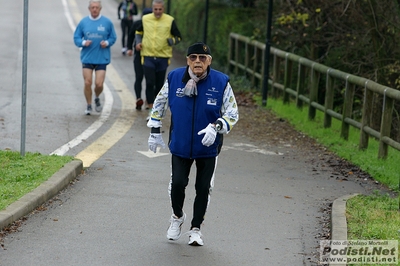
[(199, 48)]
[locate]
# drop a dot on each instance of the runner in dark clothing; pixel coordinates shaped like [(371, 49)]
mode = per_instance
[(126, 10), (137, 64)]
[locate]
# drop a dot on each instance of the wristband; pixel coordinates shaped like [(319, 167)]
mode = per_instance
[(218, 125), (155, 130)]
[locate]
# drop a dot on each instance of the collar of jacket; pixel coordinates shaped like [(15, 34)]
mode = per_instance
[(186, 76)]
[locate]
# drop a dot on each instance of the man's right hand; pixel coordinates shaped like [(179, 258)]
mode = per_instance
[(155, 140), (87, 42)]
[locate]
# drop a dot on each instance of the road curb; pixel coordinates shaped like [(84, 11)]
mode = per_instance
[(41, 194), (338, 219)]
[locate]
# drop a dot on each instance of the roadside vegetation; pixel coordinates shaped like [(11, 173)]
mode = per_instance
[(373, 217), (21, 174)]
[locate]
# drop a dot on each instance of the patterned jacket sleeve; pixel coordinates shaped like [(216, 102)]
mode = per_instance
[(160, 107), (229, 110)]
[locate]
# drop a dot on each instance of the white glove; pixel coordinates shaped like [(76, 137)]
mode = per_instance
[(155, 139), (210, 133)]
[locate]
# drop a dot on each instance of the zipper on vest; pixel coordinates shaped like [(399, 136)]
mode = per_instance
[(193, 122)]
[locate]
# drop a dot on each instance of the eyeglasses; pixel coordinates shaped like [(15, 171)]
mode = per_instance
[(193, 57)]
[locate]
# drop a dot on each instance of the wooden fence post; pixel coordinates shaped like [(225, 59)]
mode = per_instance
[(347, 108), (313, 92), (246, 58), (262, 68), (230, 45), (255, 62), (386, 125), (366, 117), (328, 99), (236, 56), (287, 79), (276, 75), (300, 85)]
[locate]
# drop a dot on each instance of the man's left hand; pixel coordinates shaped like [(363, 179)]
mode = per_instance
[(155, 140), (210, 133), (103, 44)]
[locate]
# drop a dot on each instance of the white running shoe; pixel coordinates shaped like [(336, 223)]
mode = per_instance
[(195, 237), (98, 106), (175, 229), (88, 110)]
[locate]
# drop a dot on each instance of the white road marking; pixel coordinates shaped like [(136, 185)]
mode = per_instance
[(93, 128), (250, 148), (151, 154)]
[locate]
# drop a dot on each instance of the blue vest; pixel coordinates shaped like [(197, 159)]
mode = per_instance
[(192, 114)]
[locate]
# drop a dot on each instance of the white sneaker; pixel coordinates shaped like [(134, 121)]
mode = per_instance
[(175, 229), (88, 110), (195, 237), (98, 106)]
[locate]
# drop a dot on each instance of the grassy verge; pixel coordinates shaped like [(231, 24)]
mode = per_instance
[(21, 174), (373, 217)]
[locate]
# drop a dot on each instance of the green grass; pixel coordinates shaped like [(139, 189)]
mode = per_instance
[(378, 209), (21, 174), (373, 217)]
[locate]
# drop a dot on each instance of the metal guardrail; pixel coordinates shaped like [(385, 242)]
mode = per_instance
[(247, 56)]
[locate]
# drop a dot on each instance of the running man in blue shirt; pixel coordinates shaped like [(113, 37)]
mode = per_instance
[(95, 34)]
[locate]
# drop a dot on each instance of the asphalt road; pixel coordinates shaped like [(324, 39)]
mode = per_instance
[(264, 210)]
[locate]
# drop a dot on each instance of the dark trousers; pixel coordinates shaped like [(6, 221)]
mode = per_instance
[(126, 26), (137, 66), (205, 169), (155, 69)]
